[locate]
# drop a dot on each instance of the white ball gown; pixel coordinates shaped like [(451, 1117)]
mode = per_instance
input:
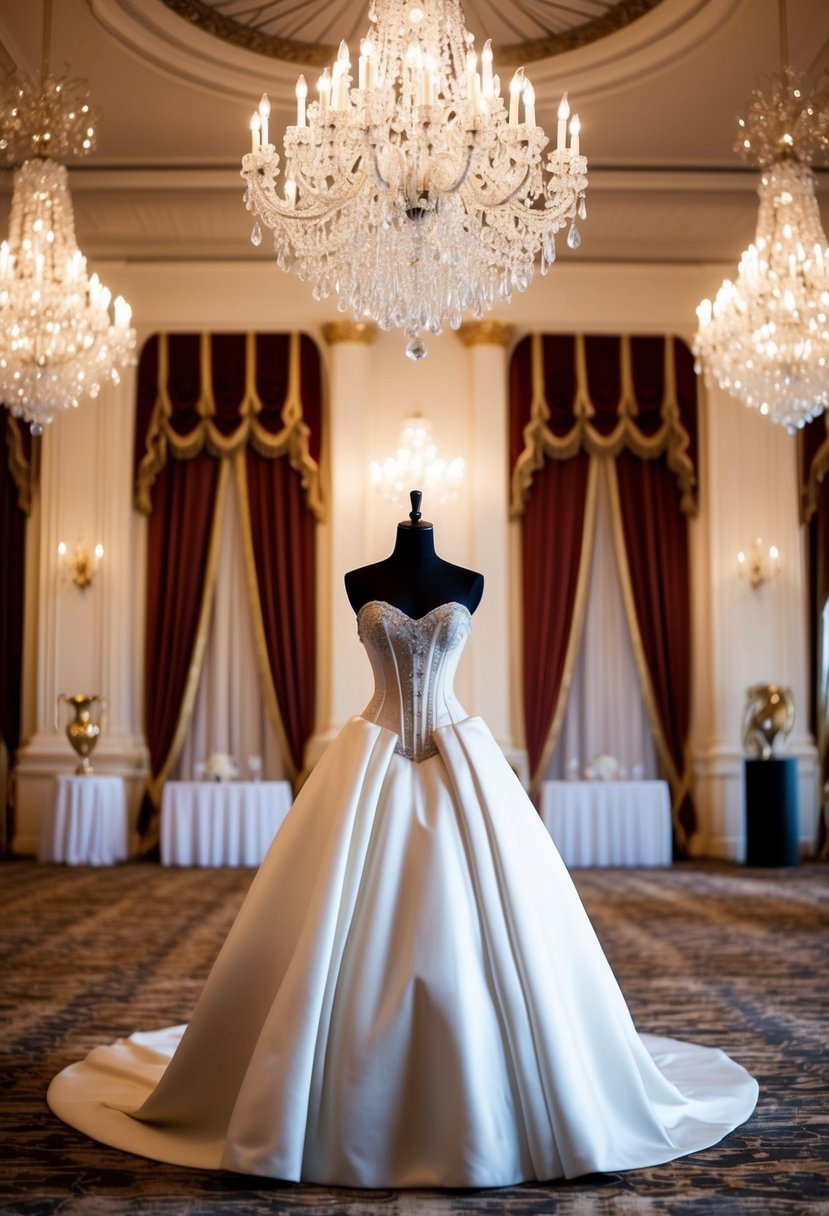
[(412, 994)]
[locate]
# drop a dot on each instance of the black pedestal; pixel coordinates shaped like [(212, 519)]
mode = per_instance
[(772, 827)]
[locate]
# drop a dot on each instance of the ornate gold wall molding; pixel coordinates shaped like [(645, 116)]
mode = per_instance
[(486, 333), (335, 332)]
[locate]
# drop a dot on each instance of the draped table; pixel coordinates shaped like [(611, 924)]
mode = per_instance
[(221, 823), (609, 823), (87, 822)]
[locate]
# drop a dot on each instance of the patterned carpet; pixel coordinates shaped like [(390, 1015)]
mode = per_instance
[(732, 957)]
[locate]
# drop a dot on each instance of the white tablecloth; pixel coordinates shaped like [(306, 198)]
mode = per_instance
[(87, 824), (221, 823), (609, 823)]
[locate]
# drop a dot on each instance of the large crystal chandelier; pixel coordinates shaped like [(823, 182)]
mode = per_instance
[(421, 193), (765, 337), (58, 340)]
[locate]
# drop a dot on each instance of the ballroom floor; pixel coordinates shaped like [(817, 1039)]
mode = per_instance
[(719, 954)]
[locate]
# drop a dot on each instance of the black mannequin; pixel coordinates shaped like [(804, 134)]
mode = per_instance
[(414, 579)]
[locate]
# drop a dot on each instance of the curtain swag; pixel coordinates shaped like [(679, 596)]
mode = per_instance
[(626, 410), (20, 461), (224, 428)]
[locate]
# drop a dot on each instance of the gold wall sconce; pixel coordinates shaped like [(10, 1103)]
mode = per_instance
[(760, 564), (80, 564)]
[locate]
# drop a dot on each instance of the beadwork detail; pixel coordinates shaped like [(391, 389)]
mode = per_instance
[(413, 662)]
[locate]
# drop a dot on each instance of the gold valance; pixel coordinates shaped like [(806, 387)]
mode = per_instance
[(602, 395), (229, 391)]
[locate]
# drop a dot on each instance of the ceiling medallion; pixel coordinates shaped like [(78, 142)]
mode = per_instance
[(527, 32)]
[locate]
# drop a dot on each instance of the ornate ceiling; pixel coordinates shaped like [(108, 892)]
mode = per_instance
[(658, 98), (308, 31)]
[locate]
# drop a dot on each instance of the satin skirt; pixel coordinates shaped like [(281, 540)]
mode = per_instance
[(412, 995)]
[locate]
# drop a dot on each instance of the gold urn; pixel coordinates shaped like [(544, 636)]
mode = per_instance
[(83, 730), (769, 712)]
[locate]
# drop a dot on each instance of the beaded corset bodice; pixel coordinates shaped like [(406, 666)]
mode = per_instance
[(414, 664)]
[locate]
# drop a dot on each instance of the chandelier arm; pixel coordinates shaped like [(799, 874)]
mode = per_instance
[(265, 202), (384, 185), (354, 186), (464, 174), (492, 204)]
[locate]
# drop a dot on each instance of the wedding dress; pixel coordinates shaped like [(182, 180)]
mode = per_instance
[(412, 993)]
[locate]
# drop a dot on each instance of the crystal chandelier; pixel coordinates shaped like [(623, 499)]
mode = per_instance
[(416, 463), (420, 193), (765, 337), (58, 340)]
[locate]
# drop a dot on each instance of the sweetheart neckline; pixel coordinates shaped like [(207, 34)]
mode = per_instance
[(415, 620)]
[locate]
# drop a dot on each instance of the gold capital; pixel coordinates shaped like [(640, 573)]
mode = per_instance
[(486, 333), (349, 331)]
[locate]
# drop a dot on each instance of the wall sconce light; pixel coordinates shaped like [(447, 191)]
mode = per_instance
[(760, 564), (79, 564), (416, 465)]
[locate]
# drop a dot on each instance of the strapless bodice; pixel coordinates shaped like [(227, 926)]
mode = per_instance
[(414, 664)]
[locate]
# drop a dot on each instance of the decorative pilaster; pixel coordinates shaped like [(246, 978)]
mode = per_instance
[(343, 671), (83, 640), (488, 343), (741, 635)]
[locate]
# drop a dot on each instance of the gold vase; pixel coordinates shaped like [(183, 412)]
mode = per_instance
[(769, 712), (83, 730)]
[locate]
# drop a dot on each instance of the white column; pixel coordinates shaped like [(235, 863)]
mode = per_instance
[(343, 683), (488, 343), (744, 635), (82, 640)]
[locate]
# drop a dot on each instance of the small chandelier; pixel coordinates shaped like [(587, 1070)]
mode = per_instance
[(57, 339), (416, 462), (765, 337), (421, 193)]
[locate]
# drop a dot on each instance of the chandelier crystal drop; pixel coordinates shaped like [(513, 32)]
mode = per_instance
[(59, 338), (765, 336), (420, 192)]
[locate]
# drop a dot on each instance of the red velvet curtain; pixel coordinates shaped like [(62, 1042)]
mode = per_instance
[(287, 591), (551, 545), (656, 542), (283, 534), (179, 533), (814, 478), (633, 400), (202, 400)]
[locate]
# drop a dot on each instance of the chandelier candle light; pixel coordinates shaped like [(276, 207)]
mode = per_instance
[(58, 340), (765, 337), (421, 193)]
